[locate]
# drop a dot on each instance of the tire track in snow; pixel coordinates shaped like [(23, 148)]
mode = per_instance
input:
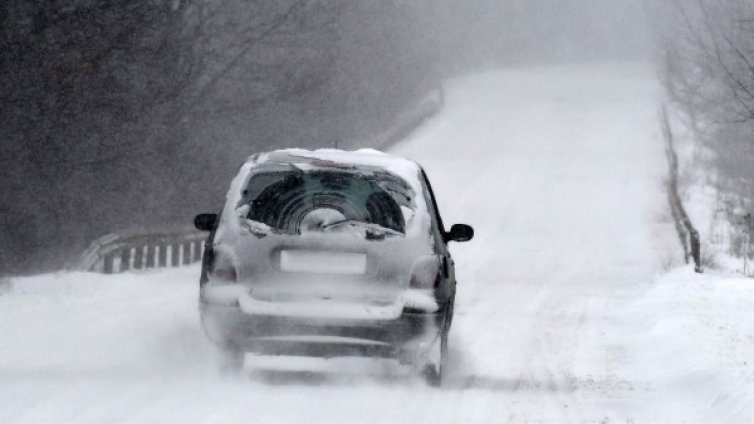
[(563, 226)]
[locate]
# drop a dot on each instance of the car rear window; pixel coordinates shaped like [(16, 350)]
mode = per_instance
[(297, 201)]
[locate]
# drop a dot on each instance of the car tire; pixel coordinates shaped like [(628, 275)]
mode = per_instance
[(230, 360), (436, 358)]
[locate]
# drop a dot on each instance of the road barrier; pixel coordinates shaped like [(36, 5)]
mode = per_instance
[(144, 249), (688, 235)]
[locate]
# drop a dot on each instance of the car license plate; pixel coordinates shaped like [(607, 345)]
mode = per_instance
[(323, 262)]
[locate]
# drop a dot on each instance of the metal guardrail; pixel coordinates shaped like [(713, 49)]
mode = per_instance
[(687, 233), (145, 249)]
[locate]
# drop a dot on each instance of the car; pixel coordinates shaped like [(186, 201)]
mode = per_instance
[(330, 253)]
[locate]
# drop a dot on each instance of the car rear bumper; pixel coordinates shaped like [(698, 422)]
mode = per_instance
[(405, 337)]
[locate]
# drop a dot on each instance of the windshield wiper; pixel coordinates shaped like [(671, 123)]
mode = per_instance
[(374, 229)]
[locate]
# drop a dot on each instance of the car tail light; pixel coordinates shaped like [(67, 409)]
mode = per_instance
[(424, 273), (224, 274), (223, 269)]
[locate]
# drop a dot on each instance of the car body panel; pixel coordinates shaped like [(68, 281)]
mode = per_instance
[(357, 290)]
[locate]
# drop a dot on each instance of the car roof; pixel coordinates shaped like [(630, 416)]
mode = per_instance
[(366, 159), (335, 158)]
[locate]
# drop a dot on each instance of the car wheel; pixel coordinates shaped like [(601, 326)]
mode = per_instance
[(436, 357), (230, 360)]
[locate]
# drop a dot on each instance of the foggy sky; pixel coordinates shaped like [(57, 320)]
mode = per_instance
[(535, 31)]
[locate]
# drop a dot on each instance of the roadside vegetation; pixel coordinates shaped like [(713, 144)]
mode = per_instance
[(118, 116), (708, 73)]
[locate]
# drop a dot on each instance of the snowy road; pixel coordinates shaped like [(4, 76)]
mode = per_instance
[(559, 170)]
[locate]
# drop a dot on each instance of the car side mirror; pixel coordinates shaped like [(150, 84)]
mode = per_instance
[(460, 232), (205, 221)]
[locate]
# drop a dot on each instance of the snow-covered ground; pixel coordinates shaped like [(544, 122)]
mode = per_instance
[(563, 312)]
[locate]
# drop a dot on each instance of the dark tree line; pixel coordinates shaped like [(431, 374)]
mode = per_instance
[(85, 94), (135, 114)]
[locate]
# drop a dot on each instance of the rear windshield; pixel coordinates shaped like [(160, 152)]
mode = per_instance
[(299, 201)]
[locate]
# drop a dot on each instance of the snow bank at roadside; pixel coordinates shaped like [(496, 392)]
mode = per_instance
[(693, 344), (75, 324)]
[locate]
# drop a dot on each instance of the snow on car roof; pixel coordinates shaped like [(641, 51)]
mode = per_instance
[(371, 158)]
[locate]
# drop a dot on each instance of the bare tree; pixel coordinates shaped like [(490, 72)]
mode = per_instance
[(100, 99), (118, 115), (708, 58), (709, 75)]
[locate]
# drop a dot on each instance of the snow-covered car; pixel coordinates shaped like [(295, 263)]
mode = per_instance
[(330, 253)]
